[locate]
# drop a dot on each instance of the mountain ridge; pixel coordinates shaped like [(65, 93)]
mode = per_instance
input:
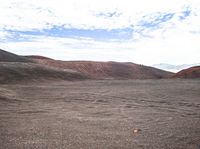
[(110, 69), (35, 67)]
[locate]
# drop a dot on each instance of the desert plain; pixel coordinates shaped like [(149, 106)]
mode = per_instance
[(101, 114)]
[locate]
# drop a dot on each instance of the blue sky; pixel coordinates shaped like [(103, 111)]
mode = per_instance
[(146, 32)]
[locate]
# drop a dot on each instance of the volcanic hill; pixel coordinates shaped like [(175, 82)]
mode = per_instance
[(108, 70), (15, 68), (10, 57), (192, 72)]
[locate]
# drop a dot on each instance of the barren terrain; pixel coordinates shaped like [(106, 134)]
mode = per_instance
[(192, 72), (36, 68), (107, 70), (139, 114)]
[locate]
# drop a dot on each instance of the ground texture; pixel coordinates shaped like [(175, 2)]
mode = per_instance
[(132, 114)]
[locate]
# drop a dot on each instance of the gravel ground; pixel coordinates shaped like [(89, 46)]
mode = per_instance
[(103, 114)]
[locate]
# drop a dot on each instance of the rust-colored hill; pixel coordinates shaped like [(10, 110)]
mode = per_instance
[(108, 70), (27, 68), (192, 72)]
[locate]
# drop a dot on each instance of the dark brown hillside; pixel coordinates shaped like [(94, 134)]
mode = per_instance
[(14, 72), (37, 57), (10, 57), (15, 68), (192, 72)]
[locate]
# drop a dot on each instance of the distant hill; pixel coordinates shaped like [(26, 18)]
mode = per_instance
[(108, 70), (11, 72), (174, 68), (37, 57), (15, 68), (193, 72), (10, 57)]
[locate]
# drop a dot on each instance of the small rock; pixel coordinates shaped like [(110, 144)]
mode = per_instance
[(136, 130)]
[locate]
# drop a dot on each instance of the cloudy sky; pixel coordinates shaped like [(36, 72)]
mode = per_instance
[(140, 31)]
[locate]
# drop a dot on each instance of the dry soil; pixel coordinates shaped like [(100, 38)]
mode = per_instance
[(104, 114)]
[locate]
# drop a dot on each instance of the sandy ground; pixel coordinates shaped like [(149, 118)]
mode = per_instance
[(137, 114)]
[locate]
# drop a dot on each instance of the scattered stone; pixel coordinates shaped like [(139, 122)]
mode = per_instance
[(136, 130)]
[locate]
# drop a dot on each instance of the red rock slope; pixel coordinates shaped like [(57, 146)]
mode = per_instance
[(15, 67), (192, 72), (108, 70)]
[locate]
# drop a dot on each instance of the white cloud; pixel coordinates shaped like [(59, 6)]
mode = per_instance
[(70, 49), (39, 14), (180, 49), (4, 35), (175, 41)]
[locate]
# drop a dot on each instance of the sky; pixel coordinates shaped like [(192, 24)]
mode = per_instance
[(145, 31)]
